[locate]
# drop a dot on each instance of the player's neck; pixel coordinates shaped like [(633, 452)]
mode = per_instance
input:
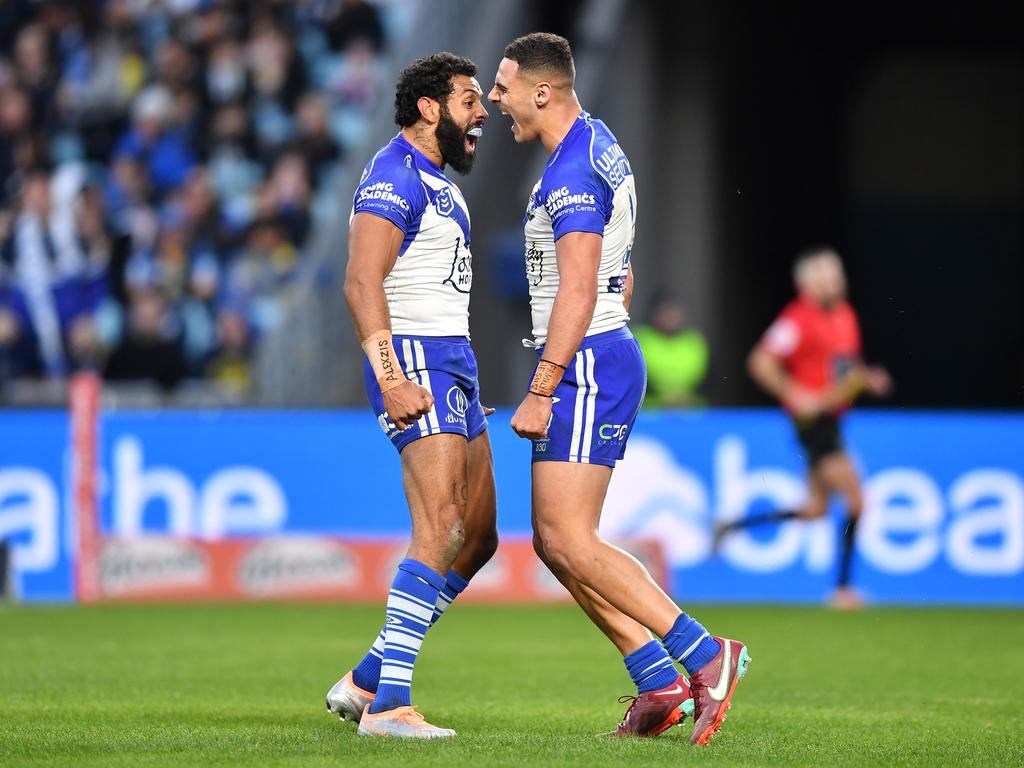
[(425, 140), (560, 122)]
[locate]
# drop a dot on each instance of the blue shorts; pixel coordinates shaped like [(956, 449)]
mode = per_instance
[(447, 367), (596, 403)]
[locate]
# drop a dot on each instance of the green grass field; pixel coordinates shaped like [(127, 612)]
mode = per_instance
[(244, 685)]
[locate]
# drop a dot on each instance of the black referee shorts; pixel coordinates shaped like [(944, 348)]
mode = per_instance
[(820, 437)]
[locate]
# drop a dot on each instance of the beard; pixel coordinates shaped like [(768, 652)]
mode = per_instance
[(451, 140)]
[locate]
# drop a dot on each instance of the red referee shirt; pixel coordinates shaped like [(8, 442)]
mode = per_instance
[(816, 345)]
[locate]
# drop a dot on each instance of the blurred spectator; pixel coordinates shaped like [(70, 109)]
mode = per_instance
[(160, 164), (356, 20), (676, 356), (229, 364), (154, 141), (151, 349), (56, 272)]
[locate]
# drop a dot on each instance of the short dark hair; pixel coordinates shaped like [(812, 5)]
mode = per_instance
[(543, 52), (429, 76)]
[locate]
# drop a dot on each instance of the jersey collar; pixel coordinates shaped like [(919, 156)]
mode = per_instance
[(582, 120), (422, 160)]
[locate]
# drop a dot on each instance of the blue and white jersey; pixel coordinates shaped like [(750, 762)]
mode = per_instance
[(428, 288), (587, 186)]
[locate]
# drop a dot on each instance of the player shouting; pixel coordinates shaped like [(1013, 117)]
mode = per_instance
[(810, 360), (587, 389), (407, 287)]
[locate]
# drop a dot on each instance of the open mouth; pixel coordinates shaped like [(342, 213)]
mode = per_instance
[(472, 136), (509, 114)]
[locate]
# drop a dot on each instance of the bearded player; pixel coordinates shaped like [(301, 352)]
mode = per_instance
[(587, 389), (810, 360), (407, 286)]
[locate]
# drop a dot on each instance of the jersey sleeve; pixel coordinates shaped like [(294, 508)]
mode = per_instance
[(783, 336), (577, 199), (393, 192)]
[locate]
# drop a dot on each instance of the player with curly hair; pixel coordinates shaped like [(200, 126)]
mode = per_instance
[(407, 286)]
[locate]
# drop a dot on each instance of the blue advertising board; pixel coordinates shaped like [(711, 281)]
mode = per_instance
[(944, 518)]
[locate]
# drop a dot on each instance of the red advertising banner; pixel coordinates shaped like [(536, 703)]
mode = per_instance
[(161, 568), (276, 567)]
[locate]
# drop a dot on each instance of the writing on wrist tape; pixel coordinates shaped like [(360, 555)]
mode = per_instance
[(546, 378), (380, 352)]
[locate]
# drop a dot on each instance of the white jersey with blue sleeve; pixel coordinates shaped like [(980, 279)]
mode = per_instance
[(587, 186), (428, 288)]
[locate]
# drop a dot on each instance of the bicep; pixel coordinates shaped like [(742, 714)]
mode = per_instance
[(373, 246), (578, 255)]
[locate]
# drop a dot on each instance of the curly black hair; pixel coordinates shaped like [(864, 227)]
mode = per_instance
[(543, 52), (430, 76)]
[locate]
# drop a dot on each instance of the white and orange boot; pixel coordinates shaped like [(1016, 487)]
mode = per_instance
[(402, 723), (347, 700)]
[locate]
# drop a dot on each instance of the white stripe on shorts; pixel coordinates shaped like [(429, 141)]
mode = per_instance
[(588, 433), (577, 418), (410, 371), (421, 364)]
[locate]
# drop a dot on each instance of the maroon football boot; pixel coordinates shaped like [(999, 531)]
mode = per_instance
[(712, 687), (654, 712)]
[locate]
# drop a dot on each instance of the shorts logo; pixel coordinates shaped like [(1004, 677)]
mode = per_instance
[(457, 402), (386, 423), (613, 431), (444, 202)]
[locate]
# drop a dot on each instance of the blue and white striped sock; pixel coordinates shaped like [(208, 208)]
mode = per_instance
[(690, 644), (366, 673), (410, 611), (453, 587), (651, 667)]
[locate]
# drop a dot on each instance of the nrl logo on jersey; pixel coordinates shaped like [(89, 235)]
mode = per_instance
[(444, 202)]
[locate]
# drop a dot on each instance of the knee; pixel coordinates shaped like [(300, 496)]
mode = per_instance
[(559, 551), (443, 531)]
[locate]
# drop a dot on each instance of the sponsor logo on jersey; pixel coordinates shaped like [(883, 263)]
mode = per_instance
[(461, 276), (559, 198), (384, 191), (615, 166)]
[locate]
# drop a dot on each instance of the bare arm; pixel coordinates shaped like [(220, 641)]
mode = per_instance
[(768, 373), (578, 255), (373, 246)]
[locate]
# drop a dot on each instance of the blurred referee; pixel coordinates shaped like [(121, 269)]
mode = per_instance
[(810, 361)]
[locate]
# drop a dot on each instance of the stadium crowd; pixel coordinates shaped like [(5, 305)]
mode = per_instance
[(161, 166)]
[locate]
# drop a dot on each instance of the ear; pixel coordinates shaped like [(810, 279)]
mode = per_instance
[(541, 94), (429, 109)]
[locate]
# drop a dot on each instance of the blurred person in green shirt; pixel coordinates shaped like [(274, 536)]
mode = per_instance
[(676, 355)]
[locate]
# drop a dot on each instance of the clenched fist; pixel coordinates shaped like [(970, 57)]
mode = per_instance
[(406, 403), (532, 417)]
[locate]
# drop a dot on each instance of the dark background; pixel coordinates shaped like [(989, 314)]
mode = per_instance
[(893, 133)]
